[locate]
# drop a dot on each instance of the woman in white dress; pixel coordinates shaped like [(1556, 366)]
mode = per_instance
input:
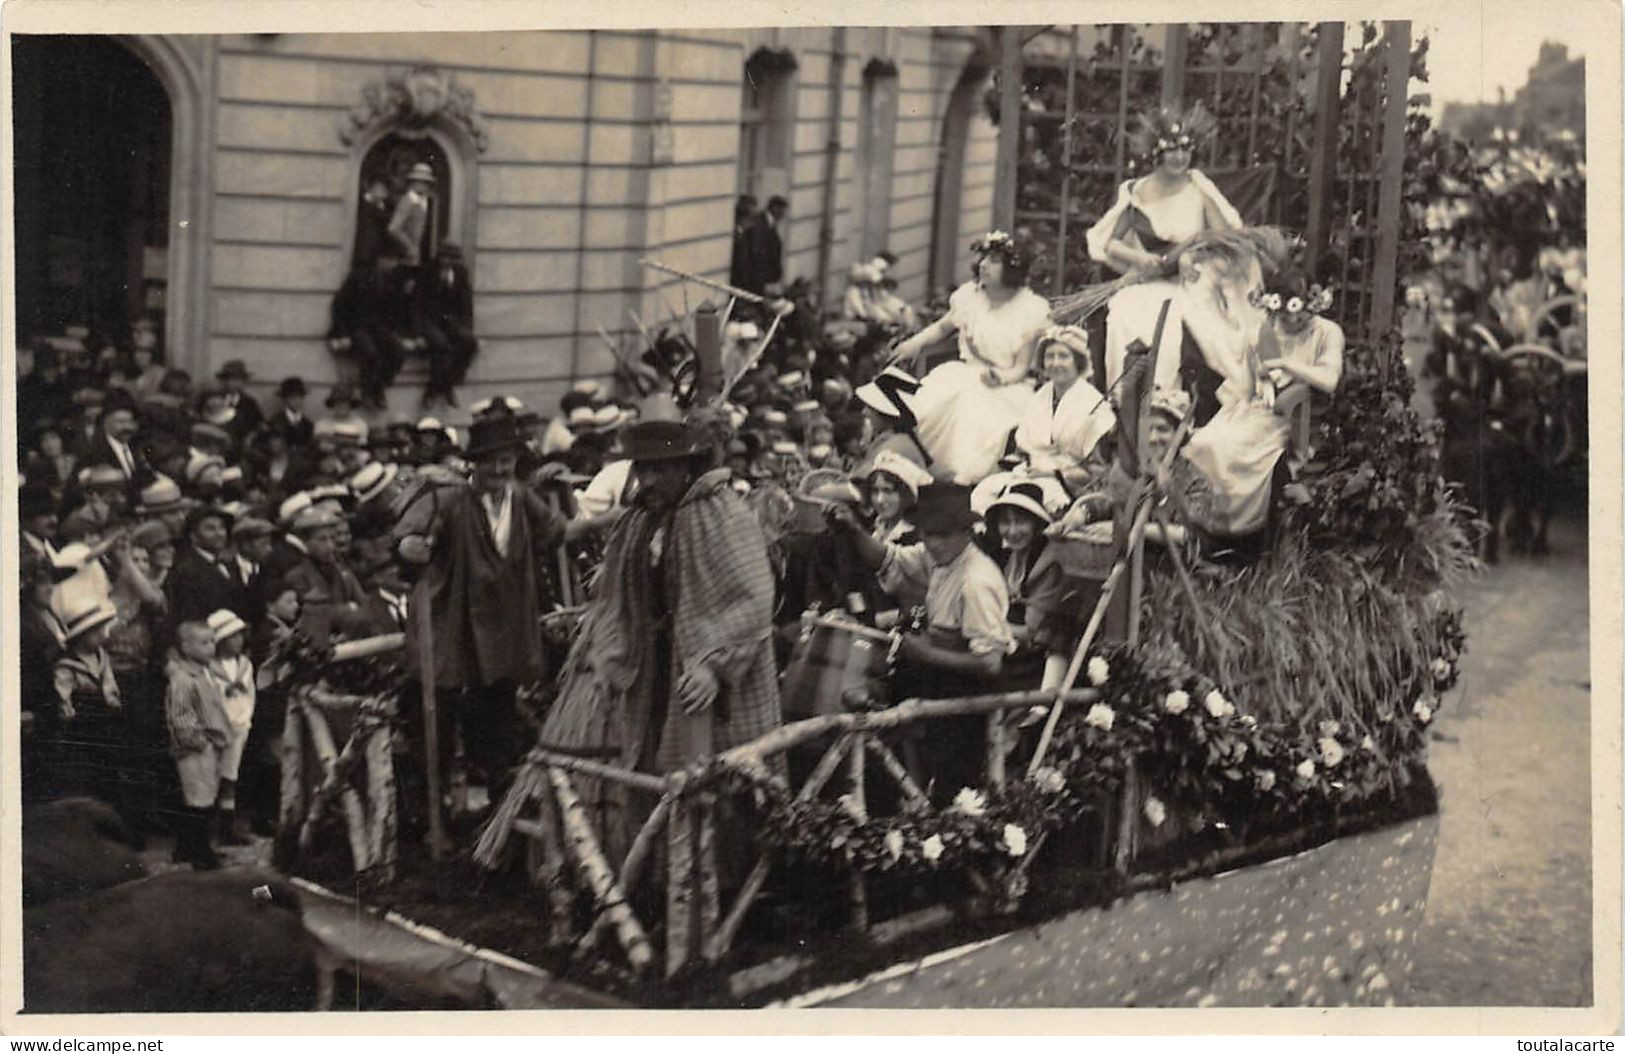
[(967, 408), (1225, 301), (1152, 216), (1068, 416)]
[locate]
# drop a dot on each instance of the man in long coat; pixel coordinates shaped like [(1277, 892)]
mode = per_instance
[(679, 628), (484, 558)]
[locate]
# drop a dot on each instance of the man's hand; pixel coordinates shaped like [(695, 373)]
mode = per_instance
[(697, 689), (838, 514), (549, 472), (414, 548)]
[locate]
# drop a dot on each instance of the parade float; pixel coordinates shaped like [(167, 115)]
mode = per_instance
[(1227, 803)]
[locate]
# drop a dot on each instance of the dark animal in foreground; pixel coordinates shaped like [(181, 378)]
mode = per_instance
[(74, 846), (182, 942)]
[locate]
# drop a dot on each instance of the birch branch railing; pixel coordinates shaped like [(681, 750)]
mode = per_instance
[(683, 819), (307, 797)]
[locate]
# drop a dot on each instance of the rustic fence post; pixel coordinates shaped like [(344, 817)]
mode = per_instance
[(431, 720)]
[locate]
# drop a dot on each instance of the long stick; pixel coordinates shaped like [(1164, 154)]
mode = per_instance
[(570, 763), (636, 858), (431, 720), (860, 812), (600, 879), (1088, 638), (1145, 497), (361, 649), (750, 755), (897, 770), (751, 359), (720, 287), (381, 840)]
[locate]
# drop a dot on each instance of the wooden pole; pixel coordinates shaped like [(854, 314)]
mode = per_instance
[(860, 812), (431, 719), (898, 771), (1328, 121), (382, 844), (1009, 150), (1175, 54), (708, 353), (321, 738), (832, 158), (583, 844), (1058, 280), (1397, 41)]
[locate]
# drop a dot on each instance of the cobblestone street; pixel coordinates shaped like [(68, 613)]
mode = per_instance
[(1509, 912)]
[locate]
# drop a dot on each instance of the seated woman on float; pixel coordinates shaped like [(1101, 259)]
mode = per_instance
[(967, 408), (1153, 216), (1068, 416)]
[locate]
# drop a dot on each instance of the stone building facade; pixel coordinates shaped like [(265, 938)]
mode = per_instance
[(565, 156)]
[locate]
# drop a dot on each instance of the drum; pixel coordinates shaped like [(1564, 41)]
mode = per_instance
[(833, 657)]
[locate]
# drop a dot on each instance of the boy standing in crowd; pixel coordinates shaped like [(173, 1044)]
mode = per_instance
[(198, 734), (233, 674)]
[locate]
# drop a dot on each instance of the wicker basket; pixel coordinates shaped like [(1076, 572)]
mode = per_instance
[(1087, 553)]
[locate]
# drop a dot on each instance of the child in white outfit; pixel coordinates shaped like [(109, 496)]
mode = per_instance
[(233, 674)]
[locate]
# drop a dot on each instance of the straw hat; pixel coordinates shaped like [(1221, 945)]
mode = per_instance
[(1028, 497), (225, 623)]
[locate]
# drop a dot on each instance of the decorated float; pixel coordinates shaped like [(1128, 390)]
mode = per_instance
[(1226, 803)]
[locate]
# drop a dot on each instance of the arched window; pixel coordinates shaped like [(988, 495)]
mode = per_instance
[(767, 121), (382, 181), (416, 116)]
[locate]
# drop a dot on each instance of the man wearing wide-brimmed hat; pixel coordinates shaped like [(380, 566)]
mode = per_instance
[(680, 627), (484, 566)]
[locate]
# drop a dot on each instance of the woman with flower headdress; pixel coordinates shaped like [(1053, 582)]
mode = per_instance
[(967, 408), (1153, 216), (1299, 345), (1172, 204), (1068, 415)]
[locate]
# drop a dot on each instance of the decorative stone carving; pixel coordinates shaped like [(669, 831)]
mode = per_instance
[(413, 100)]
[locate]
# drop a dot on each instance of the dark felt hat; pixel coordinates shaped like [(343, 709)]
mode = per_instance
[(291, 386), (117, 399), (661, 441), (204, 512), (35, 499), (493, 434), (943, 507)]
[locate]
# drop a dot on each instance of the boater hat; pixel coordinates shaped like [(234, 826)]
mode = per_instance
[(420, 173), (372, 480)]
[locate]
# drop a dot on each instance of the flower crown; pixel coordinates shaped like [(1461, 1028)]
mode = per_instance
[(1316, 300), (994, 239), (1171, 128), (1002, 243)]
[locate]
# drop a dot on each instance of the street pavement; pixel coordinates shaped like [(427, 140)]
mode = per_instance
[(1509, 910)]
